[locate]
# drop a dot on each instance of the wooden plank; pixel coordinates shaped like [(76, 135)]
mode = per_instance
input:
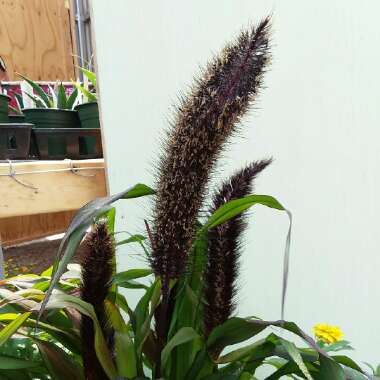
[(35, 39), (21, 229), (73, 36), (55, 191)]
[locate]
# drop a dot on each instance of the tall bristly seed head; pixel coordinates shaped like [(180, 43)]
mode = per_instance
[(224, 249), (204, 121), (97, 262)]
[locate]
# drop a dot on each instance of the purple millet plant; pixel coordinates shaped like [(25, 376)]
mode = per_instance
[(97, 262), (224, 243), (204, 122)]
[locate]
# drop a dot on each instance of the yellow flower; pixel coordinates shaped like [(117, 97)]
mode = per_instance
[(327, 333)]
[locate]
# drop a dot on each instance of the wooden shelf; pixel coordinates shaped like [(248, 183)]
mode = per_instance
[(27, 213), (55, 191)]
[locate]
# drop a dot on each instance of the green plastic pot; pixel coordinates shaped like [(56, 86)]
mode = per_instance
[(52, 118), (89, 118), (16, 119), (88, 115), (4, 103)]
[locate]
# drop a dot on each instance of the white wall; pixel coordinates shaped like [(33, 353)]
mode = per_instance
[(318, 117)]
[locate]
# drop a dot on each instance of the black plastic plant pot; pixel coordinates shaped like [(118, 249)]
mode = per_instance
[(15, 141), (73, 143), (88, 115), (89, 118), (52, 118), (4, 103), (17, 119)]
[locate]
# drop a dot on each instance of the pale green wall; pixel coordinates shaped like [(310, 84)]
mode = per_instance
[(319, 118)]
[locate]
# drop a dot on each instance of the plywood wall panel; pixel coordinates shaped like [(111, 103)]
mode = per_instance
[(20, 229), (35, 39)]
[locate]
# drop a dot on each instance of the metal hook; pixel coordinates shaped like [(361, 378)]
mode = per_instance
[(76, 172)]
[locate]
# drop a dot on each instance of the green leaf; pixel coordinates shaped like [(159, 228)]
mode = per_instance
[(184, 335), (352, 374), (132, 239), (197, 261), (276, 362), (72, 99), (90, 96), (307, 354), (342, 345), (38, 102), (15, 374), (61, 97), (61, 300), (60, 365), (125, 355), (131, 274), (121, 301), (246, 376), (38, 90), (66, 337), (287, 369), (78, 227), (132, 285), (346, 361), (237, 330), (229, 376), (53, 101), (188, 304), (329, 370), (26, 298), (258, 350), (186, 313), (143, 316), (141, 319), (137, 191), (201, 366), (47, 272), (19, 100), (89, 74), (237, 206), (110, 217), (10, 329), (233, 331), (296, 357), (7, 362)]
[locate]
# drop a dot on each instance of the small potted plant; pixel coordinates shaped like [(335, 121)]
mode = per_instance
[(14, 135), (15, 114), (53, 109), (88, 109)]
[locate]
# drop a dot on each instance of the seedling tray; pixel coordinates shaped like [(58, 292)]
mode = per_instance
[(15, 141), (78, 143)]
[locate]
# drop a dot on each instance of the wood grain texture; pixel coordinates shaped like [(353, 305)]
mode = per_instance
[(21, 229), (35, 39), (55, 191)]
